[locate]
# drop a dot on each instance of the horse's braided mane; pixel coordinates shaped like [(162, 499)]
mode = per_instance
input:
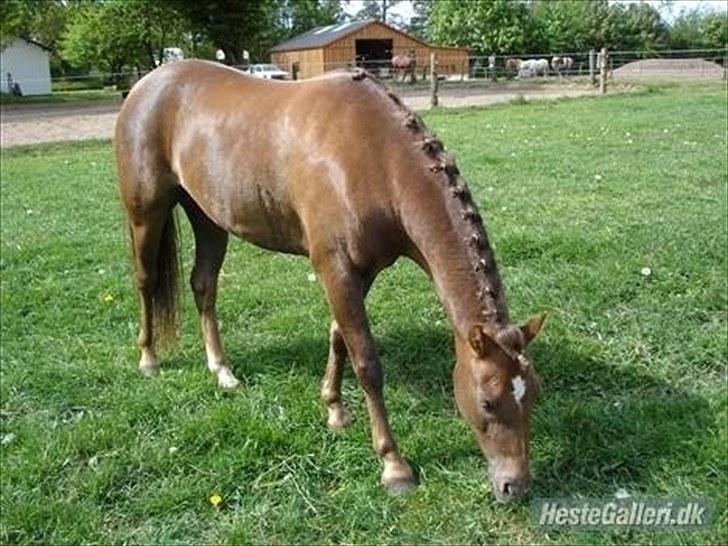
[(485, 269)]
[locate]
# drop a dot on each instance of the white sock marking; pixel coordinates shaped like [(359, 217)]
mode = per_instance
[(226, 379)]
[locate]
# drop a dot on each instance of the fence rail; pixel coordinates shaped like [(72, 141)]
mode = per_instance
[(474, 69)]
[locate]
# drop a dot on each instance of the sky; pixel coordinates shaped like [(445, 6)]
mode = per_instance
[(669, 10)]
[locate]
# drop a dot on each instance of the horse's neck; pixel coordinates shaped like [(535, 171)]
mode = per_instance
[(446, 231), (449, 241)]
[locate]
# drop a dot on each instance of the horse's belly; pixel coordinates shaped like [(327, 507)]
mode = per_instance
[(256, 213), (270, 229)]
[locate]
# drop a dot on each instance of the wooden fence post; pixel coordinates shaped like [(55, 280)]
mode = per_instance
[(433, 80), (592, 67), (294, 70), (603, 71)]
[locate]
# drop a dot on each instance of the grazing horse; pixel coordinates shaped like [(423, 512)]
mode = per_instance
[(337, 169), (513, 65), (404, 65), (559, 64), (533, 67)]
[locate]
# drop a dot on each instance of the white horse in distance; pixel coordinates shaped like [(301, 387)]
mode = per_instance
[(533, 67)]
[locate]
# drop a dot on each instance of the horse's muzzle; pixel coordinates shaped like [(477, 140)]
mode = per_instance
[(507, 489)]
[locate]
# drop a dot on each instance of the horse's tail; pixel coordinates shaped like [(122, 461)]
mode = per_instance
[(165, 295), (166, 289)]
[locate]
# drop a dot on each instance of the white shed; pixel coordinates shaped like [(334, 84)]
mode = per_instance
[(26, 63)]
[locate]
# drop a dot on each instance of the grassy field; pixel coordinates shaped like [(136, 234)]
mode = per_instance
[(579, 196), (62, 97)]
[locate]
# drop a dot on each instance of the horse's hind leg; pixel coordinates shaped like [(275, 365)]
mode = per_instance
[(146, 240), (210, 246)]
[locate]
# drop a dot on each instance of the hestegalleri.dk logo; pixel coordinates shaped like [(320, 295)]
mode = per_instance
[(656, 513)]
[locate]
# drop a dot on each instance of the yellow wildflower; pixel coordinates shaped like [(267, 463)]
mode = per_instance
[(215, 500), (108, 298)]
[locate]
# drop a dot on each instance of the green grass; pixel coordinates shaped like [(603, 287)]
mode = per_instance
[(579, 196), (62, 97)]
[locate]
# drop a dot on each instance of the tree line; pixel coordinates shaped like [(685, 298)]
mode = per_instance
[(541, 26), (111, 35)]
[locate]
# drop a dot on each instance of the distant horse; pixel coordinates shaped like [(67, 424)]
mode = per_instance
[(337, 169), (562, 64), (533, 67), (513, 65), (405, 65)]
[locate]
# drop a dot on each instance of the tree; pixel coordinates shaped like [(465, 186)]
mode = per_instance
[(593, 24), (635, 27), (568, 26), (111, 35), (234, 26), (697, 29), (380, 10), (44, 22), (487, 26), (715, 27), (255, 26), (298, 16), (419, 23), (41, 21)]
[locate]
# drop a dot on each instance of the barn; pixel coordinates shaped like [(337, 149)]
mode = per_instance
[(370, 44), (26, 63)]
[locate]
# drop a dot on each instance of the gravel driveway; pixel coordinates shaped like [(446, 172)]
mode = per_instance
[(21, 125)]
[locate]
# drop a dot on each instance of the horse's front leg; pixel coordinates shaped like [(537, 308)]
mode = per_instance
[(331, 385), (338, 417), (345, 290)]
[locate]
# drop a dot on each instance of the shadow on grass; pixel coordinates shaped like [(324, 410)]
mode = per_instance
[(598, 425), (602, 426)]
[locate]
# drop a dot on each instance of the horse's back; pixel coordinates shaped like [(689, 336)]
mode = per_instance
[(276, 163)]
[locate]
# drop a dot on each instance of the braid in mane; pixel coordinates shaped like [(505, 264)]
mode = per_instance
[(485, 269)]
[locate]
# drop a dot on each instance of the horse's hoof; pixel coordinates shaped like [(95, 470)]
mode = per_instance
[(338, 418), (226, 380), (398, 487), (398, 478), (149, 370), (148, 367)]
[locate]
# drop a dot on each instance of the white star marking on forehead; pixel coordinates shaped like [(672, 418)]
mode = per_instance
[(519, 389)]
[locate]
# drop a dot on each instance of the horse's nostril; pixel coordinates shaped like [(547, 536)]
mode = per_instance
[(513, 489)]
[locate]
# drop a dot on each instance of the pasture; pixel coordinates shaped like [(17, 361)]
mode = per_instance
[(579, 197)]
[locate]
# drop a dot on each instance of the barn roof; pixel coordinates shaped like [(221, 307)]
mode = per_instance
[(10, 40), (34, 42), (321, 36)]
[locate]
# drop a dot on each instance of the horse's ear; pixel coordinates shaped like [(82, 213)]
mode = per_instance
[(531, 329), (480, 340)]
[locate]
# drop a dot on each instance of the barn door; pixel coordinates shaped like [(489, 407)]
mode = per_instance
[(374, 54)]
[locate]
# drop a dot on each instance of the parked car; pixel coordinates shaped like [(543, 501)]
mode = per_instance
[(268, 72)]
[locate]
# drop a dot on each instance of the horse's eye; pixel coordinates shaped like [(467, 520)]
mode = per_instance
[(488, 406)]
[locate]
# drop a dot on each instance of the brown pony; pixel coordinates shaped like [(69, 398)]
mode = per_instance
[(513, 65), (336, 169), (405, 65)]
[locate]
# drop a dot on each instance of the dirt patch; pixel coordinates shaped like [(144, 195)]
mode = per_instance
[(451, 98), (56, 128), (672, 69), (37, 124)]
